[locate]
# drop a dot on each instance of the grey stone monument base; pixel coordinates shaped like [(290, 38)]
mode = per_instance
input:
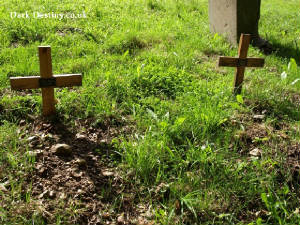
[(233, 17)]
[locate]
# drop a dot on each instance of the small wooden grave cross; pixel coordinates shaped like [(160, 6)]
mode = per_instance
[(47, 81), (241, 62)]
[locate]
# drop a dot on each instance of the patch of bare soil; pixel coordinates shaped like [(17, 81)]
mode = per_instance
[(294, 155), (296, 99), (75, 176), (293, 161), (256, 134), (252, 134), (255, 130)]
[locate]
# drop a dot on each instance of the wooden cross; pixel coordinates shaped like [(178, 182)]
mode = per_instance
[(241, 62), (47, 81)]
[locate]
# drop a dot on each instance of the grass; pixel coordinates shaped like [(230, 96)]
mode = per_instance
[(152, 65)]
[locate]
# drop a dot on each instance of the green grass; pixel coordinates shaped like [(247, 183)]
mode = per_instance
[(153, 64)]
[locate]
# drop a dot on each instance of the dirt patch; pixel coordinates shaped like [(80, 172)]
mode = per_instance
[(252, 136), (83, 187), (277, 137), (294, 154), (256, 131), (296, 99), (293, 160)]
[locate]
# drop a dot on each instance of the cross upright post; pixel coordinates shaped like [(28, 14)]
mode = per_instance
[(241, 62), (46, 73), (46, 81)]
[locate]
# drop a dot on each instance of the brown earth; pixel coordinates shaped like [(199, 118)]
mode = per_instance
[(83, 187)]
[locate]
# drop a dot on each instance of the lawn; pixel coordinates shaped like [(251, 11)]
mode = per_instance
[(156, 135)]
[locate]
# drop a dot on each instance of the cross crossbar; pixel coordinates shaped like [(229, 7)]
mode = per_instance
[(35, 82), (236, 62)]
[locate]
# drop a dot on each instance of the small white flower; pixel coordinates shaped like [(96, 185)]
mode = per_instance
[(283, 75), (295, 81)]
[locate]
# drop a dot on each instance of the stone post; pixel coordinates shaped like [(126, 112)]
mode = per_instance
[(233, 17)]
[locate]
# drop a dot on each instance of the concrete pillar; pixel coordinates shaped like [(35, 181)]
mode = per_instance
[(233, 17)]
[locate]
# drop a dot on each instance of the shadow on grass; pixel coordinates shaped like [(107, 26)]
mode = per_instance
[(278, 109), (85, 178), (285, 106), (289, 50)]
